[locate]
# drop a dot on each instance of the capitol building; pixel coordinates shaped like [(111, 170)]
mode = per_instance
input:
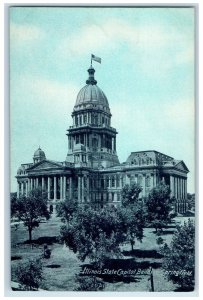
[(91, 172)]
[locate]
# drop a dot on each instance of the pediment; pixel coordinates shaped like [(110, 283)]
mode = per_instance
[(181, 166), (45, 165)]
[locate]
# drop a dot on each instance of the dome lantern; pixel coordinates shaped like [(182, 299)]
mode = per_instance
[(91, 79)]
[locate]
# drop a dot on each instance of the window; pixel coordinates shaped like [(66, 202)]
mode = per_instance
[(107, 181), (113, 182), (117, 181), (85, 119), (96, 119)]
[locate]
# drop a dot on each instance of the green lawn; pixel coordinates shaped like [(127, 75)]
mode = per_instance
[(66, 265)]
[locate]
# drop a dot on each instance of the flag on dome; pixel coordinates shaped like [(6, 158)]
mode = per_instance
[(96, 58)]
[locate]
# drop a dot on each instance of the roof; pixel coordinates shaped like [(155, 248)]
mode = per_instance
[(91, 96)]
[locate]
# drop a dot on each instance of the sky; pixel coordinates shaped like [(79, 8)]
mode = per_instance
[(147, 74)]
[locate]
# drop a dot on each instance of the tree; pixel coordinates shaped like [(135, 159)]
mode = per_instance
[(179, 257), (191, 202), (31, 210), (94, 234), (29, 274), (159, 206), (130, 194), (132, 213), (65, 209)]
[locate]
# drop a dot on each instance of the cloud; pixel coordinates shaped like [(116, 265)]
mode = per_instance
[(109, 34), (45, 93), (25, 33)]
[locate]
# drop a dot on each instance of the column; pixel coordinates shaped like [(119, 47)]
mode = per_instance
[(37, 182), (48, 188), (180, 184), (178, 179), (182, 188), (88, 188), (18, 189), (61, 187), (22, 192), (176, 187), (26, 188), (183, 180), (64, 187), (109, 181), (186, 188), (120, 182), (79, 188), (143, 179), (82, 189), (55, 195), (172, 185), (70, 187), (42, 182), (29, 185)]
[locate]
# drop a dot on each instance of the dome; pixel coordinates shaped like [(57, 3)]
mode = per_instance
[(39, 153), (20, 170), (91, 93), (91, 96)]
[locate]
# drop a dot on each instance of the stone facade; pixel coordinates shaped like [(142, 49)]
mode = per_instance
[(91, 171)]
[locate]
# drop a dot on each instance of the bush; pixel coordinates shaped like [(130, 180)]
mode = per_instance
[(29, 274), (89, 283)]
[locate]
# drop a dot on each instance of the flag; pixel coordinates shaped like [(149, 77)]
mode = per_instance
[(96, 58)]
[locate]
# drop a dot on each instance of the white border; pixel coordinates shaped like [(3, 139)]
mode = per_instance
[(5, 151)]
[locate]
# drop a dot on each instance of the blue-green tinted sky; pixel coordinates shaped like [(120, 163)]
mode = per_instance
[(147, 74)]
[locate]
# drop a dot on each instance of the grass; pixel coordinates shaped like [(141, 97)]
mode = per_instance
[(60, 269)]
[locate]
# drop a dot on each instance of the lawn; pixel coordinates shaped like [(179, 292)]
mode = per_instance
[(60, 269)]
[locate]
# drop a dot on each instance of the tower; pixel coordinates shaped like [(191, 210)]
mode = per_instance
[(91, 139)]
